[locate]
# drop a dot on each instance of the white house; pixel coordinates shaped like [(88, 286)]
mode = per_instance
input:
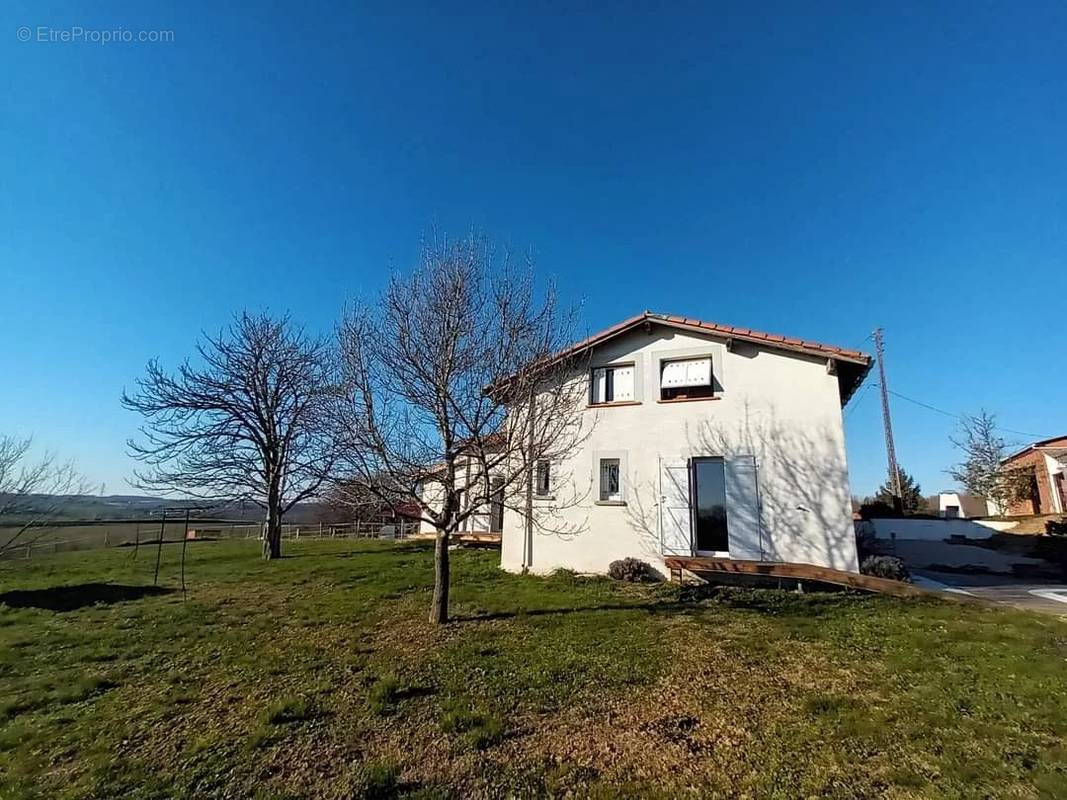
[(957, 505), (698, 439)]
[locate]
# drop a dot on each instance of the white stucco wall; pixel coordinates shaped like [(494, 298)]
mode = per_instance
[(933, 530), (966, 506), (782, 408), (432, 493)]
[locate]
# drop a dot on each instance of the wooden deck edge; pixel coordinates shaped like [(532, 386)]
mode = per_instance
[(810, 572), (477, 538)]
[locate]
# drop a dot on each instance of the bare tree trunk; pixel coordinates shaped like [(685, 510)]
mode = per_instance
[(272, 536), (439, 607)]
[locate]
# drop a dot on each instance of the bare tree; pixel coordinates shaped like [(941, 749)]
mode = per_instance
[(455, 390), (982, 471), (248, 423), (32, 491)]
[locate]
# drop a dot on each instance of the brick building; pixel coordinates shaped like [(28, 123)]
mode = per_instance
[(1048, 493)]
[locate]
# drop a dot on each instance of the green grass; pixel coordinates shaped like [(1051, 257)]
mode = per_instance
[(318, 676)]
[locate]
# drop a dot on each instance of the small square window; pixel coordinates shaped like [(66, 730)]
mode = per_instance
[(543, 478), (610, 487)]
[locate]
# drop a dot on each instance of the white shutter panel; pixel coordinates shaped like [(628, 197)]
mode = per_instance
[(599, 383), (690, 372), (624, 383), (673, 374), (674, 510), (743, 509), (698, 372)]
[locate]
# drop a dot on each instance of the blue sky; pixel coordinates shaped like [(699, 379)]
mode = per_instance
[(809, 174)]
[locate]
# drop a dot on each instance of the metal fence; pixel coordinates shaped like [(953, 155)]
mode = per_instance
[(320, 530), (64, 538)]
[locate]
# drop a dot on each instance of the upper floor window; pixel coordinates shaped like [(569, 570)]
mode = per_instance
[(612, 384), (686, 379)]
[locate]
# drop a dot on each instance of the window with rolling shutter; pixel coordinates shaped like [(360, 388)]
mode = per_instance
[(686, 379)]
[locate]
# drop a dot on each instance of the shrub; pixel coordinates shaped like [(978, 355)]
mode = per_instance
[(877, 509), (889, 567), (866, 542), (1056, 527), (633, 570)]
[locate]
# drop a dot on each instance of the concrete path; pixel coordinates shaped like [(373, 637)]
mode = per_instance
[(923, 555), (1049, 598)]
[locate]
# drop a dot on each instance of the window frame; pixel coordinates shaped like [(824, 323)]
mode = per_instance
[(609, 496), (719, 462), (542, 490), (609, 384), (687, 394), (623, 457)]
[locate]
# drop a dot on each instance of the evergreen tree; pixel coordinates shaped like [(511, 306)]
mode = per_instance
[(910, 493)]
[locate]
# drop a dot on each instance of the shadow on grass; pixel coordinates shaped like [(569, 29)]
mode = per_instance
[(388, 547), (654, 607), (772, 602), (79, 595)]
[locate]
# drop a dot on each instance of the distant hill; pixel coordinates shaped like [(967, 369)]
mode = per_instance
[(137, 507)]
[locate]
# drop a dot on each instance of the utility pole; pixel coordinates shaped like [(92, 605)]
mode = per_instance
[(890, 448)]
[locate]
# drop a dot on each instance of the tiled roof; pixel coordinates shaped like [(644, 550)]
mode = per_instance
[(730, 331), (1043, 443)]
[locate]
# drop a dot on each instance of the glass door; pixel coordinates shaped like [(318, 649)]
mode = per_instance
[(708, 477)]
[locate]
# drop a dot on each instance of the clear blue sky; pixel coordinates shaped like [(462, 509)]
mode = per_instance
[(814, 175)]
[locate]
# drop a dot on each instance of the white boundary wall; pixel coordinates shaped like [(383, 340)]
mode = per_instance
[(934, 530)]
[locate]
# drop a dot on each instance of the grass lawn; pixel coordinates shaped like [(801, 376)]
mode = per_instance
[(318, 676)]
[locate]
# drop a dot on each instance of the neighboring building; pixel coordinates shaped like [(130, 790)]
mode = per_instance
[(1048, 495), (955, 505), (489, 517), (698, 439)]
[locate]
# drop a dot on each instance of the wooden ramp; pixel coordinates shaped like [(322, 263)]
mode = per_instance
[(485, 539), (708, 568)]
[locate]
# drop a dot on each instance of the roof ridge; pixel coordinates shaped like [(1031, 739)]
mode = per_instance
[(770, 338)]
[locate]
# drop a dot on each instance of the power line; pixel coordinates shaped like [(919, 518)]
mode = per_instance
[(860, 398), (865, 340), (962, 416)]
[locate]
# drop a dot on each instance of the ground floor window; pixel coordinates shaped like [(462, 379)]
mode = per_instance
[(609, 479), (496, 505), (708, 476), (543, 484)]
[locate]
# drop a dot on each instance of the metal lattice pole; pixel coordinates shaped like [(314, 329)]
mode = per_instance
[(890, 448)]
